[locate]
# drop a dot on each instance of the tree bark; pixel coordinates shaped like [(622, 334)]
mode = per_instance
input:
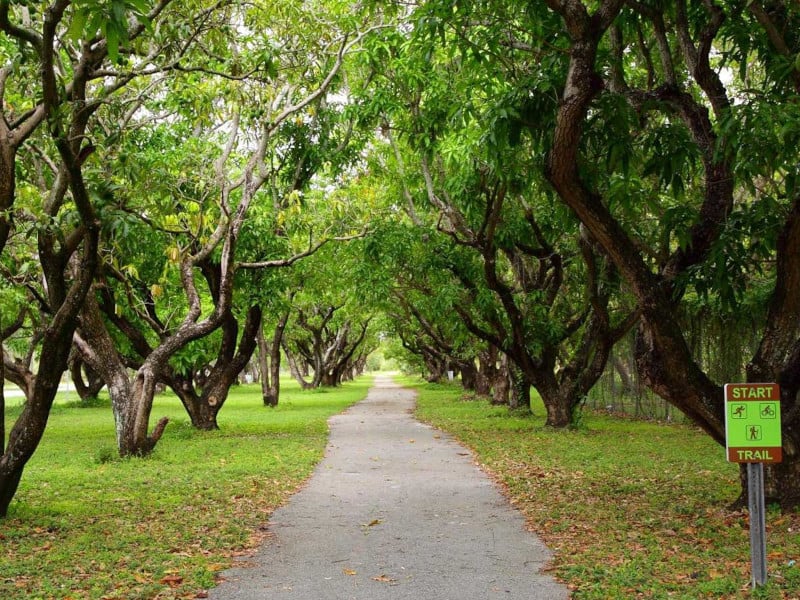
[(295, 369), (435, 367), (501, 385), (29, 427), (204, 407), (662, 355), (270, 362), (520, 390), (2, 407), (624, 372), (7, 188), (131, 401), (469, 375), (88, 388), (19, 374), (487, 370)]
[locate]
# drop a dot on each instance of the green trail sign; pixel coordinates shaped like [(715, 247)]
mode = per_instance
[(753, 422)]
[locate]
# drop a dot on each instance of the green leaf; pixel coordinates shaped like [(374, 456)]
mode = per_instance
[(78, 25), (113, 42), (118, 12)]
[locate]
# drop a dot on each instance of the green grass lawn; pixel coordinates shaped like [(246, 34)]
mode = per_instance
[(86, 524), (631, 509)]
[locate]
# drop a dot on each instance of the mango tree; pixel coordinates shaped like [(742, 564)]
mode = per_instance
[(638, 120), (532, 285), (253, 96), (329, 333), (718, 119), (58, 69)]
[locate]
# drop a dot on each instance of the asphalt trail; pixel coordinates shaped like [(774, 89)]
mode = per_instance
[(396, 510)]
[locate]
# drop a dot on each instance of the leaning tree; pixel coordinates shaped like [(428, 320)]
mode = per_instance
[(533, 285), (639, 114), (257, 99), (58, 70), (731, 189)]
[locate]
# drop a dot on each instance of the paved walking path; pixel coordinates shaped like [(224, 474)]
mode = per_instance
[(398, 511)]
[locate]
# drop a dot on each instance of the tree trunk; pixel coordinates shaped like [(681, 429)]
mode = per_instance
[(487, 371), (275, 372), (501, 382), (469, 375), (202, 412), (263, 368), (781, 482), (66, 300), (269, 361), (559, 409), (90, 387), (520, 390), (559, 414), (483, 383), (29, 427), (133, 416), (500, 389), (330, 379), (10, 476), (626, 379), (203, 408), (8, 171), (19, 374), (435, 369), (295, 369), (131, 402), (2, 408)]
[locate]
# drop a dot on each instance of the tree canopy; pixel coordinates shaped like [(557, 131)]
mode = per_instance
[(507, 188)]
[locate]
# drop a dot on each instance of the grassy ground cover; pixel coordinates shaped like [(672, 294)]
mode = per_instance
[(86, 524), (631, 509)]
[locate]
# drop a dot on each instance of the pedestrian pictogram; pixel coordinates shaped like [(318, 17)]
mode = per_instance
[(754, 433)]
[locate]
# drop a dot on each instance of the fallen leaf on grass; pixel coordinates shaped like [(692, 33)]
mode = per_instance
[(21, 582), (172, 580)]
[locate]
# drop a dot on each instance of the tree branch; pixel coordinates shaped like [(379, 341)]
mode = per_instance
[(288, 262)]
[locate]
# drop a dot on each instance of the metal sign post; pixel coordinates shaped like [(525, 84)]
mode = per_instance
[(753, 436), (758, 523)]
